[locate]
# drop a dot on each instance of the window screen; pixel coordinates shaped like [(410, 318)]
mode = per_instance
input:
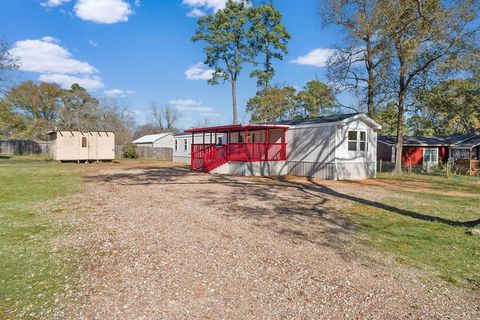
[(84, 142)]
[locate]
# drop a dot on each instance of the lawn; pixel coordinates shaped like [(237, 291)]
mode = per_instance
[(32, 272), (440, 247)]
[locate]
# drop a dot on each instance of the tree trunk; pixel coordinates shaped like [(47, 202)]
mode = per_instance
[(400, 120), (234, 101), (371, 80)]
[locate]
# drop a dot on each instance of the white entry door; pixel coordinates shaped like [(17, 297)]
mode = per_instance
[(430, 158)]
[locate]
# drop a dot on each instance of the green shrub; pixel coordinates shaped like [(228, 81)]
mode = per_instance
[(130, 151)]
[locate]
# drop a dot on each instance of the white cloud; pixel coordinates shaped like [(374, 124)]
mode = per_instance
[(198, 72), (207, 4), (53, 3), (210, 114), (47, 56), (103, 11), (55, 64), (117, 93), (196, 13), (189, 105), (318, 58), (137, 3), (90, 82)]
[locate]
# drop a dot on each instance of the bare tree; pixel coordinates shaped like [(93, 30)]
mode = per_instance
[(359, 63), (170, 115), (8, 63), (163, 118), (114, 115)]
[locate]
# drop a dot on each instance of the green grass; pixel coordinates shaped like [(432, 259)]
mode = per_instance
[(31, 272), (437, 247)]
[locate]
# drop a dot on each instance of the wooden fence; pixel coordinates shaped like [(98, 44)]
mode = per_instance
[(147, 153), (11, 147)]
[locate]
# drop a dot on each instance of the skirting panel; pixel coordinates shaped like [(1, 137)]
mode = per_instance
[(181, 159), (333, 171)]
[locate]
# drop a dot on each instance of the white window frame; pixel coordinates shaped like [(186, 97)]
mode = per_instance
[(185, 144), (358, 141), (427, 163)]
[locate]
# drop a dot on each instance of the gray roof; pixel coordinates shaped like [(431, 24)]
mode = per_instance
[(469, 143), (323, 119), (427, 141)]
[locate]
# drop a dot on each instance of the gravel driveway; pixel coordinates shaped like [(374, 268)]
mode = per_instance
[(165, 243)]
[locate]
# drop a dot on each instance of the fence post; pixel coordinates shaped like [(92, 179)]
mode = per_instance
[(381, 164)]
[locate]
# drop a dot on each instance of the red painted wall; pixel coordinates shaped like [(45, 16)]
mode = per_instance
[(414, 155)]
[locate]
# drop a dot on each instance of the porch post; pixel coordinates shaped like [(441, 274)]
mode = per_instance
[(284, 147), (267, 140), (246, 143), (191, 150), (470, 162)]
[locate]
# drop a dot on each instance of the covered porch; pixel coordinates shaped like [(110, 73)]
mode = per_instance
[(466, 156), (242, 143)]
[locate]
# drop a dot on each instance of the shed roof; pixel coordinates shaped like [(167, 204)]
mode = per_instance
[(426, 141), (151, 138)]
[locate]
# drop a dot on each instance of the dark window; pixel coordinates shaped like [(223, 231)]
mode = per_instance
[(240, 137), (363, 140), (352, 140), (84, 142), (176, 144), (185, 144), (220, 141)]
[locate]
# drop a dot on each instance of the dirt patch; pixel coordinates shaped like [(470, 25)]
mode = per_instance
[(168, 243)]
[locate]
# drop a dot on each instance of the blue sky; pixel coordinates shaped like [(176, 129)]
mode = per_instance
[(140, 51)]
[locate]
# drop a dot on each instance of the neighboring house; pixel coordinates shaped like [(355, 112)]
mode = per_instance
[(183, 141), (161, 140), (429, 151), (330, 147), (82, 145)]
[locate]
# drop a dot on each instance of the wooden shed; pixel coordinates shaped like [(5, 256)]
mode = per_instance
[(82, 145)]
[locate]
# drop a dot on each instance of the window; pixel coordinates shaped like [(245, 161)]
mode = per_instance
[(253, 137), (84, 142), (185, 144), (357, 140), (430, 155), (220, 141), (363, 140), (240, 137), (352, 140), (176, 144)]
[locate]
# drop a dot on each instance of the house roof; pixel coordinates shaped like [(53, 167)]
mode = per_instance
[(468, 143), (237, 127), (151, 138), (426, 141), (323, 119)]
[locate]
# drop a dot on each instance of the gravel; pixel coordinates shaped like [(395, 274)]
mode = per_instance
[(165, 243)]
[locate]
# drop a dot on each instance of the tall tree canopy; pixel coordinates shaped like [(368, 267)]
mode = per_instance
[(360, 61), (269, 38), (79, 109), (275, 104), (279, 103), (316, 99), (36, 104), (449, 108), (423, 35), (227, 47)]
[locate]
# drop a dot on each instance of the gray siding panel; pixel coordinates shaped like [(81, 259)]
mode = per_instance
[(312, 169)]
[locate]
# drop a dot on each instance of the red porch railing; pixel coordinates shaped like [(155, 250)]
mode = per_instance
[(206, 157)]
